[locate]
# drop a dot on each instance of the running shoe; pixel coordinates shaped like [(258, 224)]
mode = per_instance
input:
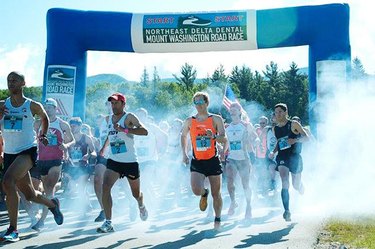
[(105, 228), (232, 208), (143, 213), (57, 215), (38, 226), (101, 217), (11, 235), (217, 223), (203, 202), (287, 215)]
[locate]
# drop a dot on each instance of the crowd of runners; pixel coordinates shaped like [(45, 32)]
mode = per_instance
[(42, 154)]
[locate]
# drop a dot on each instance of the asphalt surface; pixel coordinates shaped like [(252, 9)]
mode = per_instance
[(174, 222)]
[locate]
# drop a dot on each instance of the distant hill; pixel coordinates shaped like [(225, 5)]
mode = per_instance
[(102, 78)]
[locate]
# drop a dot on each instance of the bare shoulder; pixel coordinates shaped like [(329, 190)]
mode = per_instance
[(217, 118), (64, 124)]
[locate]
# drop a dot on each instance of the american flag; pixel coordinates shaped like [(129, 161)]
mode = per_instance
[(229, 98)]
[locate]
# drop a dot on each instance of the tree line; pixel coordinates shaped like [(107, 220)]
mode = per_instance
[(171, 99)]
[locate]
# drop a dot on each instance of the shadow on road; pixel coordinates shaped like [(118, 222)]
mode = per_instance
[(267, 238)]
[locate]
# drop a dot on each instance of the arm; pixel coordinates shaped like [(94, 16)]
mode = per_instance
[(221, 136), (37, 108), (133, 126), (91, 148), (298, 129), (1, 149), (68, 135), (184, 140)]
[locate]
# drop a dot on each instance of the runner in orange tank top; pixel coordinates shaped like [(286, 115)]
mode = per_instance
[(205, 130)]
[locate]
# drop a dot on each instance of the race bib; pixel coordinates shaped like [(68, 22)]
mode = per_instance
[(13, 123), (235, 145), (118, 147), (76, 156), (283, 143), (52, 139), (203, 143)]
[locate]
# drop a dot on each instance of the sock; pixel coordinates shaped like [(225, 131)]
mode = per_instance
[(285, 198), (108, 221)]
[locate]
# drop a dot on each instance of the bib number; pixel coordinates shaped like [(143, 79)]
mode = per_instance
[(118, 147), (235, 145), (203, 143), (13, 123), (52, 139), (283, 143)]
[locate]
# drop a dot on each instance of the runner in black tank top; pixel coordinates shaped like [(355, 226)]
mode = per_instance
[(289, 134)]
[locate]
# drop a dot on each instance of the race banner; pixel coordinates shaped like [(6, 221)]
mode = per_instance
[(191, 32), (60, 85)]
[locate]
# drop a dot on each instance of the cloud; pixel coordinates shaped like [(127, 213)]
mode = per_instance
[(24, 58)]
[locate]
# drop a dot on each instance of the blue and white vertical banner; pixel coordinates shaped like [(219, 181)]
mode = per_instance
[(60, 85), (194, 32)]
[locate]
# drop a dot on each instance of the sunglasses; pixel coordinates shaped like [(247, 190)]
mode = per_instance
[(199, 102)]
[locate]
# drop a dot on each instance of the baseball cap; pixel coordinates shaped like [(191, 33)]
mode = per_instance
[(118, 97), (50, 101)]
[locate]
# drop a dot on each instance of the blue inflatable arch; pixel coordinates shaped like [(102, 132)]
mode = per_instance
[(71, 33)]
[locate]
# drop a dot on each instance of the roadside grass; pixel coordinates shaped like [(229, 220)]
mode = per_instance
[(358, 232)]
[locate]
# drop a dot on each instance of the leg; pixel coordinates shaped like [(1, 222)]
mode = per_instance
[(98, 182), (215, 182), (244, 172), (197, 183), (272, 171), (136, 190), (284, 174), (49, 181), (17, 175), (109, 179), (297, 183), (231, 173)]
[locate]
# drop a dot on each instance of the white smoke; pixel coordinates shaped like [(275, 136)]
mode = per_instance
[(339, 170)]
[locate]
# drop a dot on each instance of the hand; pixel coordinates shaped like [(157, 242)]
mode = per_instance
[(118, 127), (43, 138), (3, 111), (271, 155), (292, 141), (185, 159), (209, 133), (101, 152)]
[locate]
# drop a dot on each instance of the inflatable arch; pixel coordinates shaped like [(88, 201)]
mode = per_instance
[(71, 33)]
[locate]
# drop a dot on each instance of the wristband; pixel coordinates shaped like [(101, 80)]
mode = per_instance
[(214, 136), (126, 130)]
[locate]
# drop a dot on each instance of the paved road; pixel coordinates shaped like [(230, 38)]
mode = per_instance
[(171, 226)]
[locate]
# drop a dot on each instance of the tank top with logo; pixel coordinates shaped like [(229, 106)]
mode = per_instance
[(282, 134), (204, 147), (121, 145), (236, 134), (55, 137), (17, 127)]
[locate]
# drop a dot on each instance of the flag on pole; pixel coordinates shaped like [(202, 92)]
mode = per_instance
[(229, 98)]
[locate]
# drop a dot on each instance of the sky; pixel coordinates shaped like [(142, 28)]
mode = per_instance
[(23, 39)]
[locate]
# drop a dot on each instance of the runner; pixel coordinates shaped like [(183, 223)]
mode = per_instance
[(20, 151), (238, 158), (122, 158), (206, 130), (290, 135), (50, 157)]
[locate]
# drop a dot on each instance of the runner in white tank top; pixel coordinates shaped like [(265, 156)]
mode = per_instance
[(122, 160), (17, 117)]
